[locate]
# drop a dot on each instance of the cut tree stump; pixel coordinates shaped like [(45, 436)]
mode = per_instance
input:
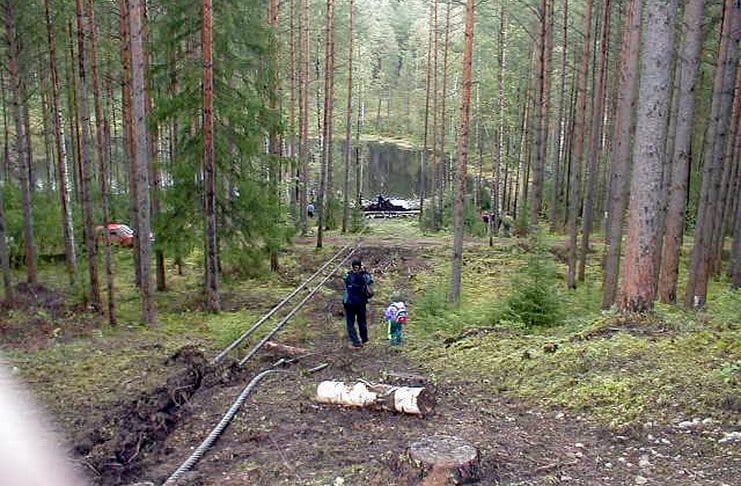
[(285, 350), (411, 400), (445, 459)]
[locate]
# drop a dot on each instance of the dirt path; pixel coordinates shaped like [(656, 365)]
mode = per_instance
[(282, 436)]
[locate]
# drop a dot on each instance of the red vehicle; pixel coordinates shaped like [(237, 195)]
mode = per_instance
[(118, 233)]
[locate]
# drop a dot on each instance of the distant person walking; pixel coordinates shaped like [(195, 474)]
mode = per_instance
[(310, 209), (358, 289)]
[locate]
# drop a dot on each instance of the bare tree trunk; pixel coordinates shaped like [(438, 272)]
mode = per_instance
[(689, 66), (4, 252), (654, 103), (617, 192), (435, 114), (87, 162), (460, 203), (70, 249), (304, 139), (497, 194), (714, 157), (348, 124), (735, 271), (326, 152), (209, 160), (543, 100), (23, 140), (598, 115), (722, 209), (292, 135), (580, 129), (141, 154), (127, 103), (102, 146), (556, 199), (443, 119), (423, 155)]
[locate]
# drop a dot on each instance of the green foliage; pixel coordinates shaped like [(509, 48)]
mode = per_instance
[(534, 300)]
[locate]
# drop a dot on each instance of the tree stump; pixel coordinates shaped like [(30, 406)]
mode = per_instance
[(445, 459)]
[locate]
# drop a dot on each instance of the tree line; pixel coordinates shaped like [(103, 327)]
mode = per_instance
[(212, 127)]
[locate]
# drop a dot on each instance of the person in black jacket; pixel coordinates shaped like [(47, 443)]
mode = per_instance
[(358, 289)]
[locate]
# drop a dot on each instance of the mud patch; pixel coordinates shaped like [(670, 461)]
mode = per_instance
[(132, 430), (38, 317)]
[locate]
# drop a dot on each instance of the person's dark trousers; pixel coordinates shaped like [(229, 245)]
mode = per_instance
[(353, 312)]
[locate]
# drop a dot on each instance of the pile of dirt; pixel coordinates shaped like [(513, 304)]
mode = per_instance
[(132, 430)]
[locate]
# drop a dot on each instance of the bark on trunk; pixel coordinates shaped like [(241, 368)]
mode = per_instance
[(348, 125), (141, 154), (543, 98), (617, 192), (86, 186), (460, 202), (304, 139), (324, 185), (649, 154), (102, 146), (209, 160), (689, 65), (575, 167), (410, 400), (713, 157), (4, 252), (70, 249), (23, 137), (557, 200), (595, 141)]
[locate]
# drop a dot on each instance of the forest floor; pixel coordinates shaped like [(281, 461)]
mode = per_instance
[(597, 400)]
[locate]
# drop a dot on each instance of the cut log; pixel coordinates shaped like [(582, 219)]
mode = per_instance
[(445, 459), (285, 350), (411, 400)]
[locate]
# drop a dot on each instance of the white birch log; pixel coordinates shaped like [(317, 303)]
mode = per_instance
[(411, 400)]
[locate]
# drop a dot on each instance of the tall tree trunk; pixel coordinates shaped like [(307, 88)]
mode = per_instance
[(598, 116), (70, 249), (141, 153), (443, 119), (329, 193), (654, 100), (127, 103), (556, 199), (543, 101), (575, 167), (722, 208), (497, 193), (23, 137), (293, 125), (714, 157), (460, 202), (209, 160), (348, 124), (102, 146), (435, 114), (4, 252), (689, 66), (423, 155), (324, 184), (304, 139), (617, 192), (735, 270), (87, 162)]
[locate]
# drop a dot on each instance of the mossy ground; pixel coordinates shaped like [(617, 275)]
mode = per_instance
[(613, 370)]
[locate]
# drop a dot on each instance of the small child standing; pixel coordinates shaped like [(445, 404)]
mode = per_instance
[(397, 316)]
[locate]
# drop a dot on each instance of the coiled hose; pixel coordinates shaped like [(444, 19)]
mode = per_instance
[(219, 429)]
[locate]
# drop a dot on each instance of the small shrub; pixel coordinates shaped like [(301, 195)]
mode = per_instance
[(534, 299)]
